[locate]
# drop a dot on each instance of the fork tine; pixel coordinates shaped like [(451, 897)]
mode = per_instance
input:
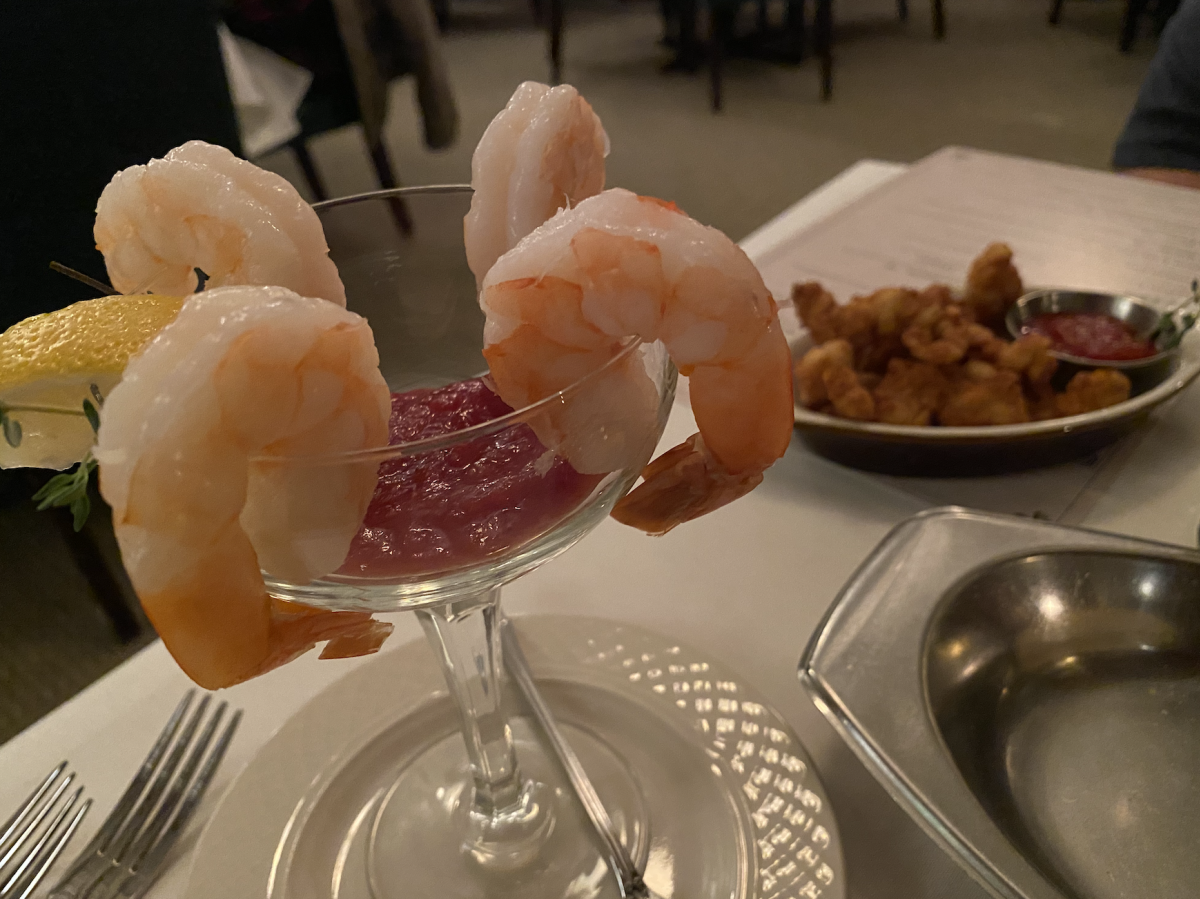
[(151, 863), (130, 797), (126, 836), (10, 825), (133, 855), (56, 848), (32, 826), (35, 852), (92, 856)]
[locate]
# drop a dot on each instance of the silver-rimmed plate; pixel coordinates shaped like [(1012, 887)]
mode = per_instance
[(295, 822)]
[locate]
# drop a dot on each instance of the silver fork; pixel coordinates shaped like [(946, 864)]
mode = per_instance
[(23, 864), (128, 851)]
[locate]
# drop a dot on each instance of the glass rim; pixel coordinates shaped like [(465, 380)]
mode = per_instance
[(388, 193), (427, 444)]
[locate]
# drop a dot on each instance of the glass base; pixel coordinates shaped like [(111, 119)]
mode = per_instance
[(393, 831), (423, 842), (709, 787)]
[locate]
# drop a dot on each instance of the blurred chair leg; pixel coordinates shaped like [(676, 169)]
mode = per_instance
[(104, 586), (670, 21), (556, 27), (902, 9), (793, 24), (1056, 12), (823, 40), (387, 180), (107, 589), (716, 59), (722, 18), (689, 56), (311, 175), (939, 20), (1163, 11), (1129, 24), (441, 12), (763, 18)]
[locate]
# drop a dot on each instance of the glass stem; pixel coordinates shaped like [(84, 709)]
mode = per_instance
[(509, 818)]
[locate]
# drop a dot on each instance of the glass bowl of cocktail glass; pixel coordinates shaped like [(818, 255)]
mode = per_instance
[(468, 498)]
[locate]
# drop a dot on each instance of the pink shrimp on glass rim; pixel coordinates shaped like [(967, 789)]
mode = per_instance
[(200, 207), (543, 152), (243, 374), (617, 266)]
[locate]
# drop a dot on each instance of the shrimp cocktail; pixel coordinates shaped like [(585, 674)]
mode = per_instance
[(326, 415)]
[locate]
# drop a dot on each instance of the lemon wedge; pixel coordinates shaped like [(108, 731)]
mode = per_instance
[(50, 363)]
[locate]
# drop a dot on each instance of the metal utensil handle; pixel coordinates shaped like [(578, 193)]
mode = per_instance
[(619, 858), (1180, 318)]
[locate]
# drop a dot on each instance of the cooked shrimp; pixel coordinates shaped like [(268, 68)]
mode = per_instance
[(543, 152), (619, 266), (200, 207), (243, 374)]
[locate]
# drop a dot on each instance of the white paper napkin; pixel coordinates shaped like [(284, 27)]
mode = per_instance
[(267, 91)]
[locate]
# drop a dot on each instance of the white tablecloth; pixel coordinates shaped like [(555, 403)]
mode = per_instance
[(748, 584)]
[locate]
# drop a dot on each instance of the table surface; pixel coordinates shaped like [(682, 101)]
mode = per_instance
[(748, 584)]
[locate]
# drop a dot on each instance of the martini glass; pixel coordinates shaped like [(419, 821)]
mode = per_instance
[(414, 778), (462, 507)]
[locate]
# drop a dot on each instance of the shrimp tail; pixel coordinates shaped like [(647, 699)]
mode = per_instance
[(295, 629), (683, 483), (364, 639)]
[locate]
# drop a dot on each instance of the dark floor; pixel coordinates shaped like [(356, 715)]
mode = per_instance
[(55, 637)]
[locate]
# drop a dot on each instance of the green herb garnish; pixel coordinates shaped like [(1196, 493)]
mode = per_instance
[(11, 428), (93, 417), (68, 488)]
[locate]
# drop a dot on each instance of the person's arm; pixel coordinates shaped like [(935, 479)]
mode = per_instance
[(1161, 139)]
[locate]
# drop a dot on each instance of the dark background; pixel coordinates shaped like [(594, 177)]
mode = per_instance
[(89, 87)]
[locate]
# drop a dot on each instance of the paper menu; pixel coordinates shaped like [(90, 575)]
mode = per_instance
[(1068, 227)]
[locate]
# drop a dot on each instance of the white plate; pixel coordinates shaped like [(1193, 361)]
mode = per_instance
[(790, 844)]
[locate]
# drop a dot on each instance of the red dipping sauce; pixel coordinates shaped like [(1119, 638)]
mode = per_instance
[(1091, 335), (459, 505)]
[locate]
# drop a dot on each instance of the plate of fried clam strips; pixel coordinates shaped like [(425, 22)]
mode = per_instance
[(928, 381)]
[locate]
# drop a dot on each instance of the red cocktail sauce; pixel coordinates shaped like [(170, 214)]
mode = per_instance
[(458, 505), (1091, 335)]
